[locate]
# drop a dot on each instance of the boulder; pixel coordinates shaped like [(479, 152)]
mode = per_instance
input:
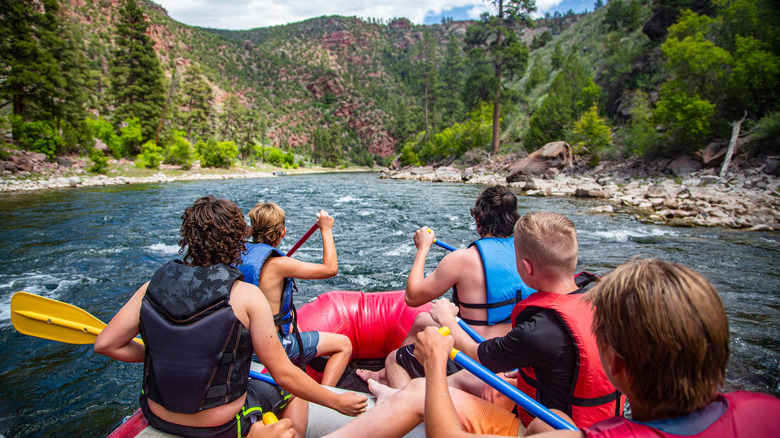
[(684, 165), (548, 160)]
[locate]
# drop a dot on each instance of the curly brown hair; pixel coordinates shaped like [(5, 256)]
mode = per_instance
[(213, 231), (496, 212)]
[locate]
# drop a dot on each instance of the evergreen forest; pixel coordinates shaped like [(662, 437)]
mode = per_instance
[(633, 78)]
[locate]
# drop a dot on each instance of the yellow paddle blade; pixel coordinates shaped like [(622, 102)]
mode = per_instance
[(46, 318)]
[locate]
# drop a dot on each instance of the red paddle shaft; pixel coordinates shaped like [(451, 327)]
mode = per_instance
[(303, 239)]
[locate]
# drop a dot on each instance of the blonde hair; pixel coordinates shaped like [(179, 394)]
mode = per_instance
[(549, 240), (267, 221), (667, 322)]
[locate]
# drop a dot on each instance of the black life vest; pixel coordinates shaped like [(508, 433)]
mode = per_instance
[(197, 352)]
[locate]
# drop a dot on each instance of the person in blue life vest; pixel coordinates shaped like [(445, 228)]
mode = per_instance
[(275, 274), (483, 277), (550, 342), (200, 323), (663, 339)]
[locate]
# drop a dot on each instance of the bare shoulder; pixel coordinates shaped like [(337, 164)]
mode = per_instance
[(462, 258)]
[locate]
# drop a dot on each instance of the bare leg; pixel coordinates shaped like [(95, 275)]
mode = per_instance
[(465, 381), (379, 376), (382, 392), (539, 426), (297, 410), (421, 321), (396, 375), (394, 417), (339, 348)]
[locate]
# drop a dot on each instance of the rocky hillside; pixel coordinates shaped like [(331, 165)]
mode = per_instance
[(301, 76)]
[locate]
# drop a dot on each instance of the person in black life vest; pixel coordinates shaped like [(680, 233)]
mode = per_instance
[(551, 342), (275, 273), (200, 322), (663, 339), (483, 278)]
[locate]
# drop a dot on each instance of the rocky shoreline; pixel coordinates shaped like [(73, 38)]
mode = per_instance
[(27, 171), (678, 192), (744, 199)]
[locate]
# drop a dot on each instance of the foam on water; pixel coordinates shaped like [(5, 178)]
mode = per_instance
[(399, 250), (346, 199), (163, 248), (624, 235)]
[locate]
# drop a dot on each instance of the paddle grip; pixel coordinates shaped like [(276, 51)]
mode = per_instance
[(269, 418)]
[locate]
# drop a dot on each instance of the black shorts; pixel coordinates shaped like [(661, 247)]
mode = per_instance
[(261, 397), (405, 357)]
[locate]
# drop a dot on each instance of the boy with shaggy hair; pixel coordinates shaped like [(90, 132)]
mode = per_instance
[(269, 268), (663, 340)]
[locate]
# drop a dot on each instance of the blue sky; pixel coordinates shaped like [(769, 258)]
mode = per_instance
[(462, 13), (247, 14)]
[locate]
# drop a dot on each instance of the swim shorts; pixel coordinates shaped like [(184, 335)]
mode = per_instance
[(261, 397), (290, 344), (405, 357), (481, 417)]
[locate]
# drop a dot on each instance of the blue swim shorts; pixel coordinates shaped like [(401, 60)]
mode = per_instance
[(290, 344)]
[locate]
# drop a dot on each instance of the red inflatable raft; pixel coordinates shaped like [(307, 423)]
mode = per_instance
[(375, 322)]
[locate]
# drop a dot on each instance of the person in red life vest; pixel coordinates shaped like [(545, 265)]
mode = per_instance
[(200, 322), (483, 277), (551, 342), (663, 340), (270, 269)]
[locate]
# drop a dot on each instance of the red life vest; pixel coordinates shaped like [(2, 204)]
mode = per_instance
[(749, 414), (593, 398)]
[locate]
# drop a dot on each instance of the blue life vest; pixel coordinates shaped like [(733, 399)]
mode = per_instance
[(252, 263), (502, 282), (197, 352)]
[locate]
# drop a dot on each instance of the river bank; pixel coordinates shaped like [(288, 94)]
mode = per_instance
[(746, 198), (26, 171)]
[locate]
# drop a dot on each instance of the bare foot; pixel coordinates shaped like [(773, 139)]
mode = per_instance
[(382, 392), (379, 376)]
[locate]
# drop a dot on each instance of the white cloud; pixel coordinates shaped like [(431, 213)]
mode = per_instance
[(247, 14)]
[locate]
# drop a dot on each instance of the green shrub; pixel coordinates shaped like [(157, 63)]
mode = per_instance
[(591, 135), (274, 156), (218, 154), (641, 136), (179, 152), (99, 161), (150, 156), (131, 136), (685, 119), (38, 137), (102, 129)]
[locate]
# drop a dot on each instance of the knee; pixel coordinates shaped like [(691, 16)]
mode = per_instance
[(345, 345), (390, 359), (421, 321)]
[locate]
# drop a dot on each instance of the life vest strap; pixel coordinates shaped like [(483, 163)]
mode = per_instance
[(570, 399)]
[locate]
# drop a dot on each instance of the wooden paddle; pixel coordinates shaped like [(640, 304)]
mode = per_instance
[(42, 317)]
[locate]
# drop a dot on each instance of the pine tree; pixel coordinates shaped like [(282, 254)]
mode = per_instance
[(453, 77), (196, 103), (495, 36), (136, 77), (29, 74)]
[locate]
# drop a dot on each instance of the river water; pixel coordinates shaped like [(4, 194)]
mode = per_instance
[(93, 247)]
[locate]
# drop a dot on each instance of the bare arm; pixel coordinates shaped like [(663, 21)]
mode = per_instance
[(269, 350), (289, 267), (441, 419), (116, 340), (421, 289), (444, 312)]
